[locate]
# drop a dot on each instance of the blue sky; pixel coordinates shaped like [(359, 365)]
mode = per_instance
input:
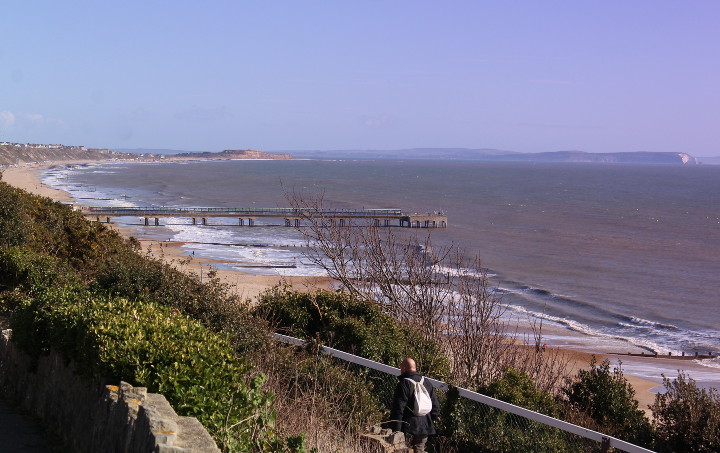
[(528, 76)]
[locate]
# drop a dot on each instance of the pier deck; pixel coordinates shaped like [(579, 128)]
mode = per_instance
[(292, 217)]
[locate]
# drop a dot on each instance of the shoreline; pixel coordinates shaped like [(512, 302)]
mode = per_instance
[(246, 286), (249, 286)]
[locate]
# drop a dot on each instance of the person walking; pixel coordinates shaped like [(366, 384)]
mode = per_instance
[(414, 408)]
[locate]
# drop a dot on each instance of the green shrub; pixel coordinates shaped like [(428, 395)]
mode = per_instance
[(343, 322), (138, 277), (103, 259), (517, 388), (32, 272), (15, 222), (474, 427), (609, 399), (45, 226), (156, 347), (686, 418)]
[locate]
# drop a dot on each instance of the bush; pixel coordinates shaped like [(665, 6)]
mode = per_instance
[(14, 219), (138, 277), (517, 388), (686, 418), (358, 327), (609, 400), (32, 272), (156, 347), (476, 427), (42, 225)]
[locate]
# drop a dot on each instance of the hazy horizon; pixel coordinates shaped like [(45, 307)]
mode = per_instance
[(299, 75)]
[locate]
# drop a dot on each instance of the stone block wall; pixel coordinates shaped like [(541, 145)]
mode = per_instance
[(90, 417)]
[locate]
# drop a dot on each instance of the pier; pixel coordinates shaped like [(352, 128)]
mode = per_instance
[(292, 217)]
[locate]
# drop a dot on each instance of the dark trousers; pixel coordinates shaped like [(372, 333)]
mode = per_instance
[(416, 443)]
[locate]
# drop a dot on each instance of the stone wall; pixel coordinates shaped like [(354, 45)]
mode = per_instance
[(94, 418)]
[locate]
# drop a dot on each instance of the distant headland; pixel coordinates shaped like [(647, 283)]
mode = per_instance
[(23, 153), (231, 154), (495, 155)]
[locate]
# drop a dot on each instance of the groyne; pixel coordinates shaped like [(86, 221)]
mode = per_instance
[(90, 417)]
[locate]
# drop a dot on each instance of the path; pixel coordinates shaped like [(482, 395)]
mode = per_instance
[(20, 433)]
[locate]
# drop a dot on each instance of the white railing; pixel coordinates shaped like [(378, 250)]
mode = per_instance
[(483, 399)]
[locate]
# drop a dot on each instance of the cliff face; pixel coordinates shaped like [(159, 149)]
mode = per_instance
[(233, 154), (12, 155)]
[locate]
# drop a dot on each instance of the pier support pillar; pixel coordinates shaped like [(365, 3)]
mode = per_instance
[(241, 222), (387, 222), (204, 220), (342, 222), (297, 222), (194, 221), (287, 222), (107, 219), (251, 222), (157, 221), (147, 221), (98, 219), (376, 222)]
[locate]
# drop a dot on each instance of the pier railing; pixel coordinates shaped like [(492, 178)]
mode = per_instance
[(292, 216), (231, 212), (481, 422)]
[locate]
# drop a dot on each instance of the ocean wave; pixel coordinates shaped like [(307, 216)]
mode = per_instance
[(461, 272), (710, 363), (585, 329), (522, 289), (635, 321), (257, 250)]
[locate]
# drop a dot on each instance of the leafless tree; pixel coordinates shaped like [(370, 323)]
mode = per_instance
[(398, 271), (479, 339), (446, 296)]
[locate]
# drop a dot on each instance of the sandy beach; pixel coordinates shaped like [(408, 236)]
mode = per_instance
[(27, 177), (248, 286)]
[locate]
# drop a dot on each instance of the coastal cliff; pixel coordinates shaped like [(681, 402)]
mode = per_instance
[(231, 154), (15, 155), (21, 153)]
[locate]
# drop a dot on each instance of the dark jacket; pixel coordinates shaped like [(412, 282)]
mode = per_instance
[(404, 401)]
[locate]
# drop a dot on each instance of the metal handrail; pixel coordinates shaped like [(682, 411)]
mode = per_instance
[(474, 396)]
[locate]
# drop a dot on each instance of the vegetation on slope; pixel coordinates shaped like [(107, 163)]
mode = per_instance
[(80, 288)]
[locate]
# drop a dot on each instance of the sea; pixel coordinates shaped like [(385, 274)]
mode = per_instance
[(610, 258)]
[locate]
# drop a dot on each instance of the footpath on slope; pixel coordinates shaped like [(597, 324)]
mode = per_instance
[(20, 433)]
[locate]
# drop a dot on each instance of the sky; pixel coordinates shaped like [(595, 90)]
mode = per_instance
[(525, 76)]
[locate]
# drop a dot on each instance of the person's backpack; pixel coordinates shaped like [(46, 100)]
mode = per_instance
[(423, 403)]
